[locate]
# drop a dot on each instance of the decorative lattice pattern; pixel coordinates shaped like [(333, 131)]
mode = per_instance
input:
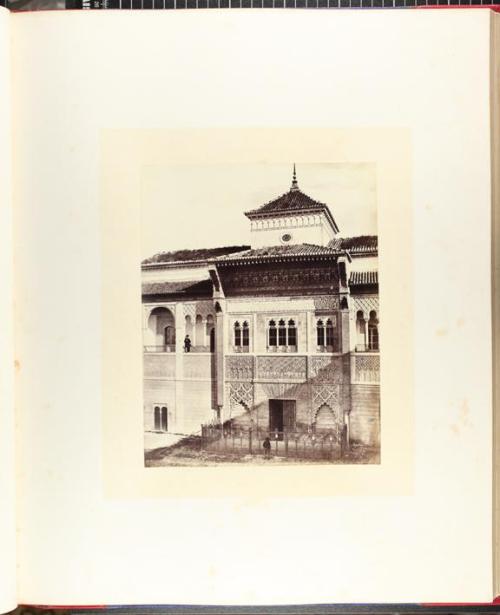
[(240, 394), (204, 308), (281, 368), (325, 395), (365, 303), (239, 368), (367, 368), (190, 310)]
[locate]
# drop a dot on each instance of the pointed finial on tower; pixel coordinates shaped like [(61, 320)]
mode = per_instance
[(295, 185)]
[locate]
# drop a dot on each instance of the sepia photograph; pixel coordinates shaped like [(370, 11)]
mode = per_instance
[(260, 314)]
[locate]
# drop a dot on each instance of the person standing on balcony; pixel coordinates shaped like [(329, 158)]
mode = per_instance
[(187, 344)]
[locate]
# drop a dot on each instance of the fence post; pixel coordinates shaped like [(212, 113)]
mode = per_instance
[(286, 443), (250, 441)]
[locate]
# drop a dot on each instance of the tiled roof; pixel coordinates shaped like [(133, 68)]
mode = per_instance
[(188, 256), (364, 244), (190, 287), (277, 252), (293, 201), (362, 278)]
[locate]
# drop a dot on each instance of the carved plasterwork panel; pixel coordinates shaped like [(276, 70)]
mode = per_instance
[(326, 302), (281, 368), (367, 368), (325, 369), (239, 368)]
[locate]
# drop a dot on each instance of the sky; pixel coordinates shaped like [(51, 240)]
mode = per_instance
[(202, 206)]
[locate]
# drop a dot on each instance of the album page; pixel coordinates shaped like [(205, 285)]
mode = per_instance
[(7, 464), (253, 306)]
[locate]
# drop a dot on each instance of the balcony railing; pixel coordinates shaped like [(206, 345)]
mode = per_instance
[(162, 348), (281, 348), (198, 349), (366, 348), (171, 348)]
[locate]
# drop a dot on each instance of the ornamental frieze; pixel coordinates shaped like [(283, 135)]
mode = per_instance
[(285, 278), (281, 368)]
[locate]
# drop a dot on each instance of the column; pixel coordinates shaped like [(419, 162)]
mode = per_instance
[(345, 331), (219, 360), (180, 333)]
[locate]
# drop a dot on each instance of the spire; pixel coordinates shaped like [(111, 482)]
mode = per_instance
[(295, 185)]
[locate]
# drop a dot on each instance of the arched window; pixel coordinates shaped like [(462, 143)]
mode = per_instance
[(282, 336), (320, 333), (160, 418), (360, 332), (189, 326), (160, 333), (164, 419), (292, 333), (272, 334), (281, 333), (327, 334), (329, 331), (373, 332), (245, 339), (237, 334)]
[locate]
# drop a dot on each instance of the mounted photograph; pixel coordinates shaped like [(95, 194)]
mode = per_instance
[(260, 314)]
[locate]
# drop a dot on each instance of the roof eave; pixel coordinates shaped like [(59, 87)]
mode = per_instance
[(260, 215)]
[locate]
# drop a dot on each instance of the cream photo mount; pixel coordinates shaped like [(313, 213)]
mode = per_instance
[(124, 155)]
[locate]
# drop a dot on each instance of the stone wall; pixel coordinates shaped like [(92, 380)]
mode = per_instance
[(365, 414)]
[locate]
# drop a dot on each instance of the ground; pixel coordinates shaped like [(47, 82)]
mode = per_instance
[(189, 452)]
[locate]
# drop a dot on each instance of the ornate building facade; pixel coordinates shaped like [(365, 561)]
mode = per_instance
[(282, 334)]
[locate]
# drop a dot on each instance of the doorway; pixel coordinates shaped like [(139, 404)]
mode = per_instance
[(282, 413)]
